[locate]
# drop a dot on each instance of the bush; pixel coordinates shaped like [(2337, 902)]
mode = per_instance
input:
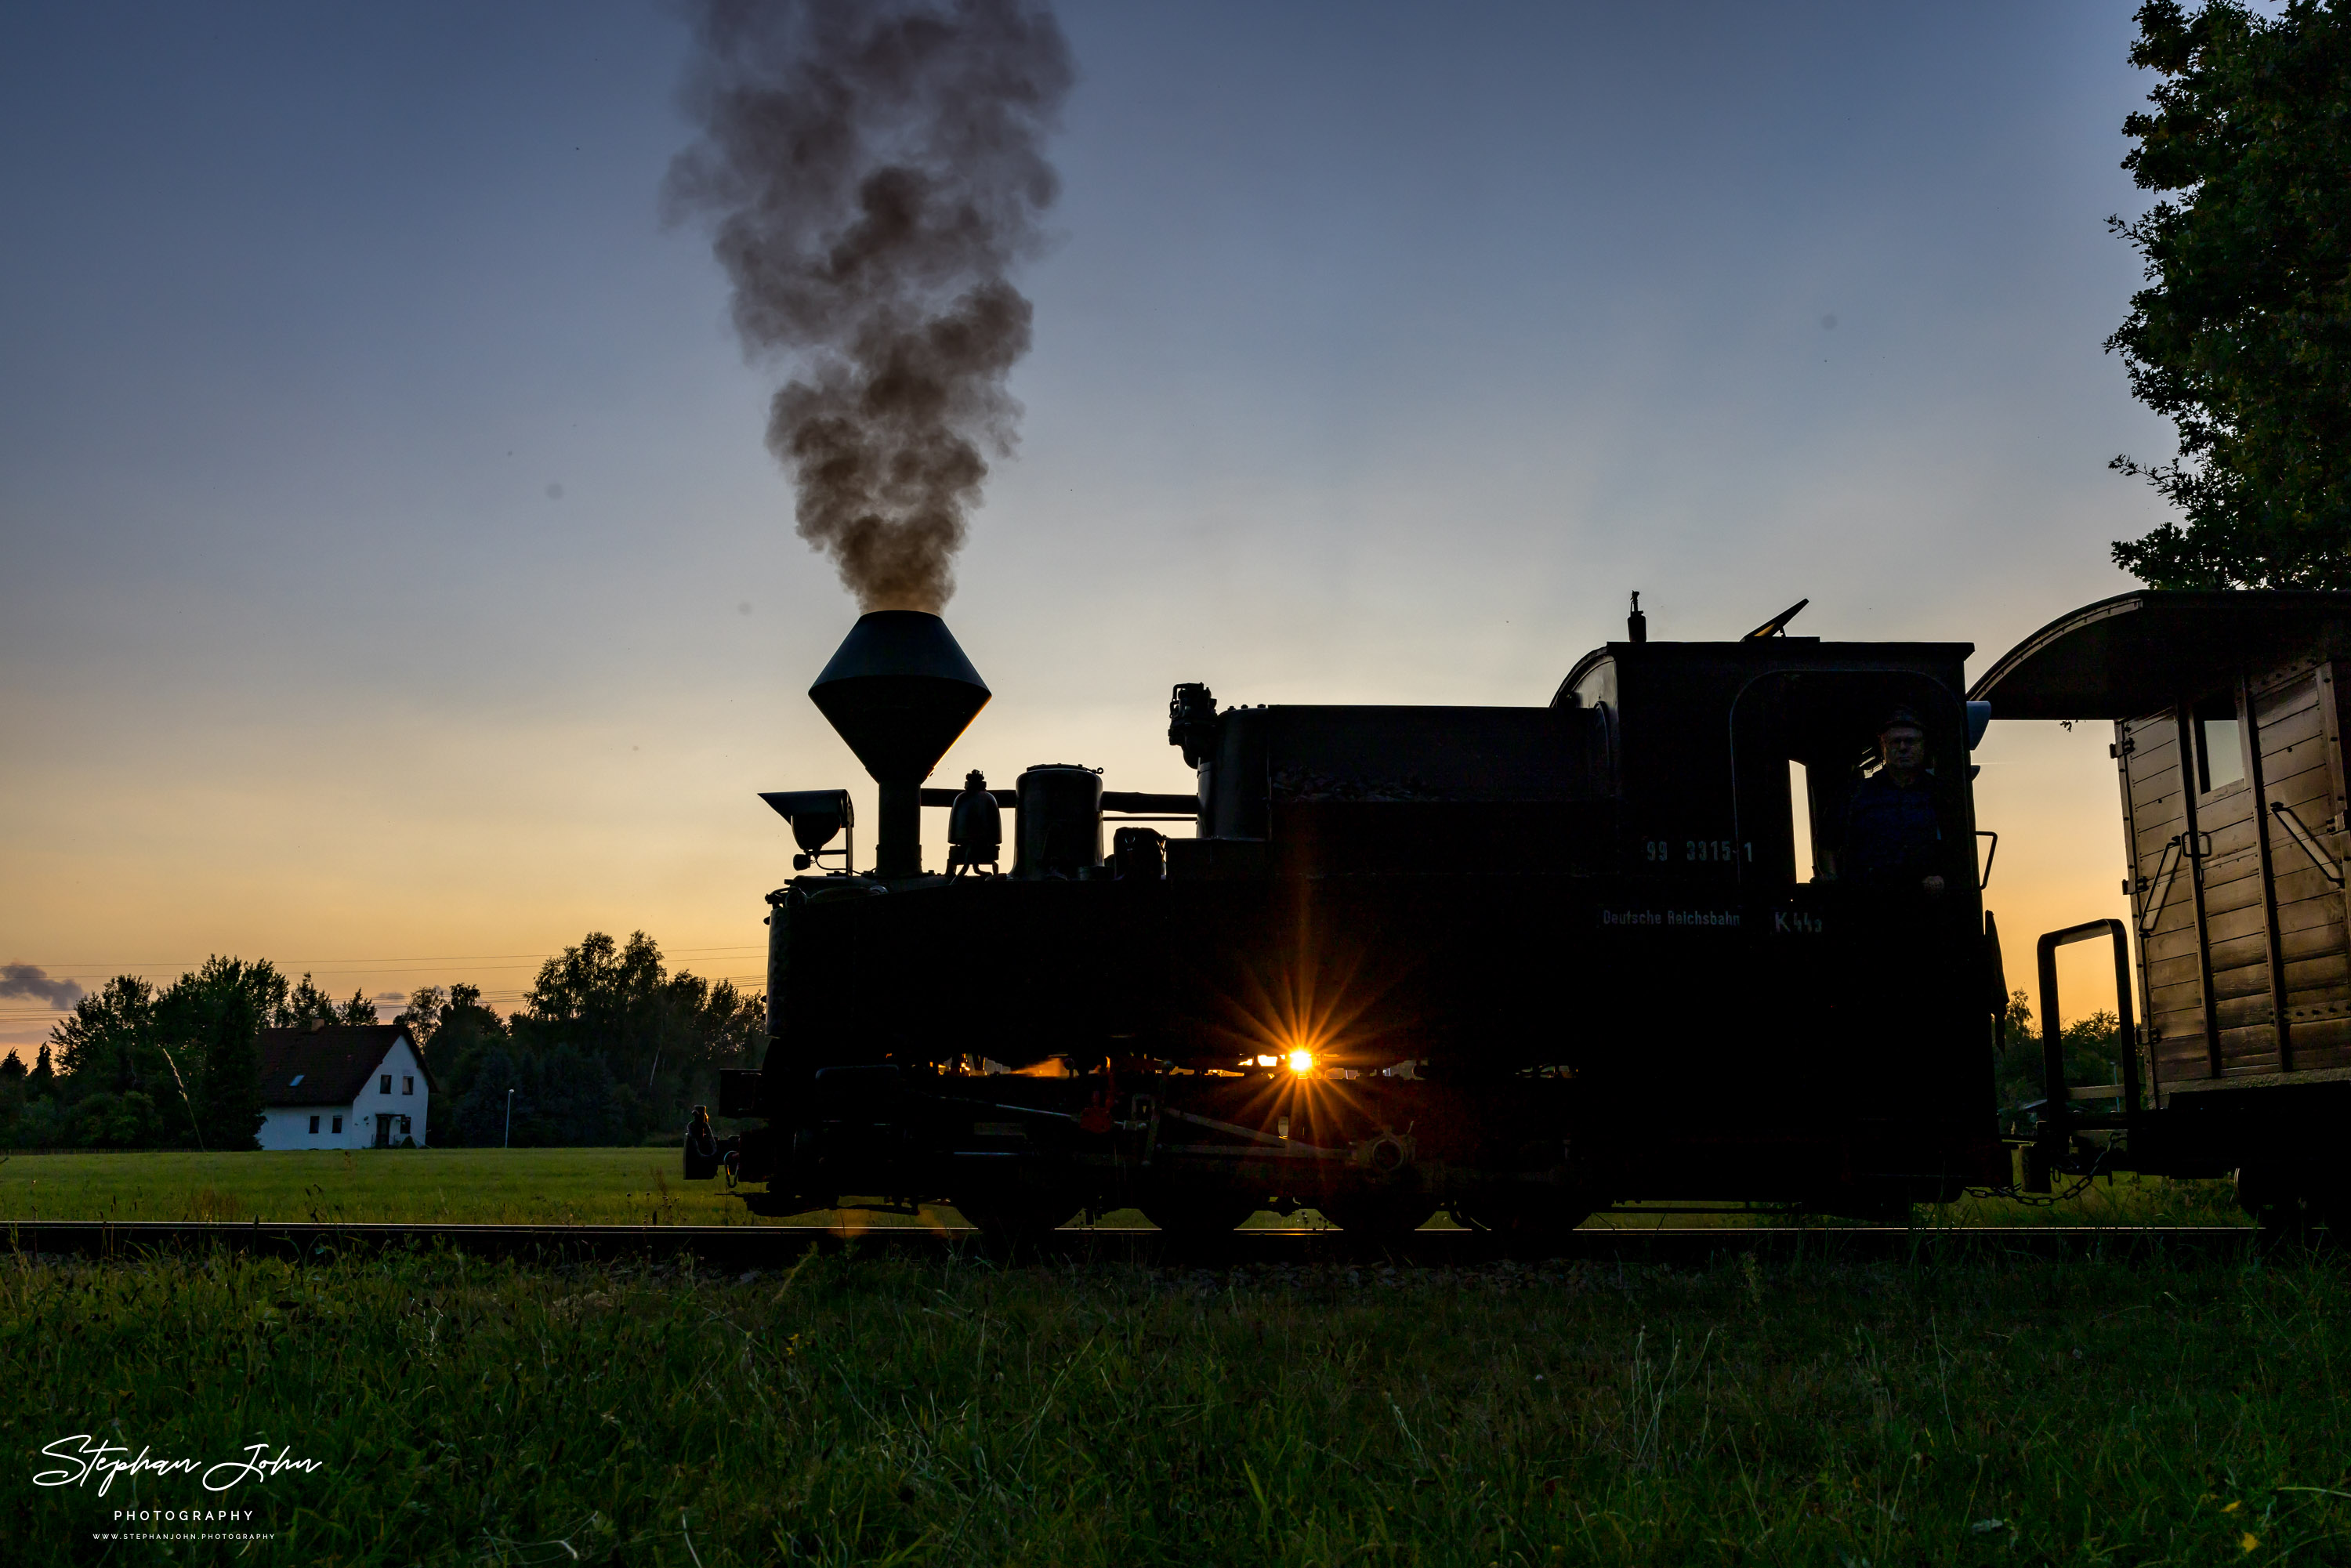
[(2092, 1055)]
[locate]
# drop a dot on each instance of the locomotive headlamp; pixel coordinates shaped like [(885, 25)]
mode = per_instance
[(1302, 1061), (816, 816)]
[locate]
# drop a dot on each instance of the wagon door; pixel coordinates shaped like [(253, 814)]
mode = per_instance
[(2231, 801), (2241, 1026), (2164, 895), (2296, 735)]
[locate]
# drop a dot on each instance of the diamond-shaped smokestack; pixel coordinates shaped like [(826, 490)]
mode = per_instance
[(900, 691)]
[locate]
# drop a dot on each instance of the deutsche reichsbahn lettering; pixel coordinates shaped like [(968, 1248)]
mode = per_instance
[(1670, 917)]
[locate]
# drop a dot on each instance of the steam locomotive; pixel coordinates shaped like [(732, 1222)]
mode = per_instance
[(1521, 963), (1514, 962)]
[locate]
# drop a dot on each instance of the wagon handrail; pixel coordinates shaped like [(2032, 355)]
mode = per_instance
[(2301, 835), (2157, 889), (2052, 1037)]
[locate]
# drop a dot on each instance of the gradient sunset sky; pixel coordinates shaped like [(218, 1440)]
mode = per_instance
[(393, 583)]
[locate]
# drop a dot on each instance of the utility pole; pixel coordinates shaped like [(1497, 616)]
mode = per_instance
[(507, 1141)]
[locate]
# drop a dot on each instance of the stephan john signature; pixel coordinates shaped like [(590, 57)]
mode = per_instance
[(86, 1457)]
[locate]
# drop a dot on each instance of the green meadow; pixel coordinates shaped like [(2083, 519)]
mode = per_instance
[(642, 1187), (1974, 1407), (579, 1186)]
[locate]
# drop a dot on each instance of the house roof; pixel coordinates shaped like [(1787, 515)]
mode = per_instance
[(328, 1064)]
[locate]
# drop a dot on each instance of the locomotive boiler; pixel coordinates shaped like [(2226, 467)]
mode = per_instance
[(1516, 964)]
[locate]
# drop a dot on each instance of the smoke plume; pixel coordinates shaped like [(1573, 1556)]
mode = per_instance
[(31, 980), (872, 170)]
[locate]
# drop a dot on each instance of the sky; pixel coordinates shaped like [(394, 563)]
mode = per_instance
[(393, 583)]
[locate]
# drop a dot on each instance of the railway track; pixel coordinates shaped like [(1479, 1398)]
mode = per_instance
[(740, 1246)]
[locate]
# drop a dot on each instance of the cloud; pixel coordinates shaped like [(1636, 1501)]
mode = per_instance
[(28, 981)]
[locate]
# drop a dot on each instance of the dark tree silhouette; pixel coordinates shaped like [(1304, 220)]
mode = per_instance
[(2243, 335)]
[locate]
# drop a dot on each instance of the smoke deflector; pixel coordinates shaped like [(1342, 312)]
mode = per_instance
[(899, 692)]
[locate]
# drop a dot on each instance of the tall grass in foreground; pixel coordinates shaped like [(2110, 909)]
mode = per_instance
[(1976, 1408)]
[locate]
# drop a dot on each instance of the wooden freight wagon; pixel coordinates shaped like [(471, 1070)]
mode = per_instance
[(2227, 715)]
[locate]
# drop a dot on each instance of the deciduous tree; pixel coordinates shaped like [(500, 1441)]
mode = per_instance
[(660, 1036), (217, 1014), (126, 1087), (2243, 335)]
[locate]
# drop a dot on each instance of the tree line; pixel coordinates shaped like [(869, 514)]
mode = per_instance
[(608, 1047), (2093, 1054)]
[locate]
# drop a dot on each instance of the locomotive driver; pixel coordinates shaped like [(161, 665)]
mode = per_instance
[(1893, 828)]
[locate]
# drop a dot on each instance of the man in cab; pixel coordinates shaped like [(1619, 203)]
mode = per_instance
[(1893, 836)]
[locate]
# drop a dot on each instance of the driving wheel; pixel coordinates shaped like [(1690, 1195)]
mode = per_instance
[(1007, 1220), (1379, 1216), (1200, 1213), (1529, 1223)]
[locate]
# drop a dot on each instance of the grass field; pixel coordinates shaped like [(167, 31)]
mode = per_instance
[(602, 1187), (873, 1410), (642, 1186)]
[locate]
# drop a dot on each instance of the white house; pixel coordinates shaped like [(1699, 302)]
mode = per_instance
[(342, 1086)]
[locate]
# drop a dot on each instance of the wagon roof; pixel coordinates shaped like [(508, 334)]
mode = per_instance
[(2138, 653)]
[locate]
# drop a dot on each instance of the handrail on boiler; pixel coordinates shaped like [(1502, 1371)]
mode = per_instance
[(2053, 1038), (1114, 802)]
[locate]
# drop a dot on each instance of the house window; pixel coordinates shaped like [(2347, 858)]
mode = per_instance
[(2219, 758), (407, 1084), (339, 1124), (383, 1085), (314, 1126)]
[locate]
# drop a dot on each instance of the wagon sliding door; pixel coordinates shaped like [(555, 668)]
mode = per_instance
[(2241, 927), (2297, 730), (2164, 896)]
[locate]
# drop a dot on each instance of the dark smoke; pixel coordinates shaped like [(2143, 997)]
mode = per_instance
[(31, 980), (872, 170)]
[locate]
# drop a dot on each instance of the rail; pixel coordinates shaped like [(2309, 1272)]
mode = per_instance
[(762, 1244)]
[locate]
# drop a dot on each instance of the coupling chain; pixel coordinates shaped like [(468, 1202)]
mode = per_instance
[(2050, 1200)]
